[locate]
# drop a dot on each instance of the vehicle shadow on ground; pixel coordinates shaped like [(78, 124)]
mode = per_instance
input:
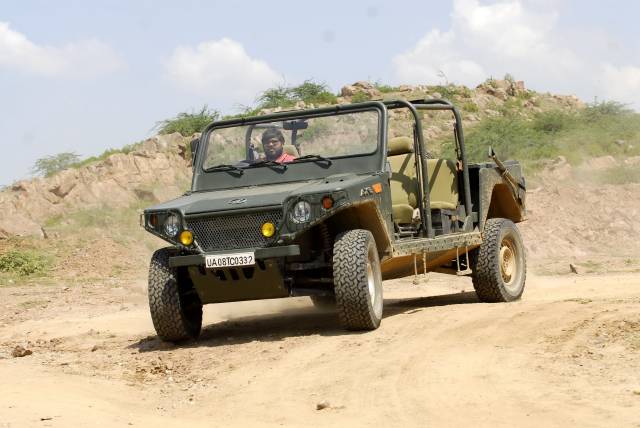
[(294, 322)]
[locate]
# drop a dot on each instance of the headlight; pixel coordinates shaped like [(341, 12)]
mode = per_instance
[(301, 212), (171, 225)]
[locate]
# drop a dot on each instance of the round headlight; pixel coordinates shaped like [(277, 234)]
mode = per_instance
[(301, 212), (172, 225)]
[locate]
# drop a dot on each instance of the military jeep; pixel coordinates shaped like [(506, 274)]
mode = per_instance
[(353, 208)]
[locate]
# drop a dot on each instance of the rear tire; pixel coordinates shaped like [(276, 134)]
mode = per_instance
[(499, 265), (176, 309), (357, 280)]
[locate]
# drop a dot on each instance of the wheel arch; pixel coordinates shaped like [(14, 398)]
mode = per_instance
[(496, 199), (362, 216), (503, 204)]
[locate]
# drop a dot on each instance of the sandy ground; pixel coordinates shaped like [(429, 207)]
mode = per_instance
[(567, 354)]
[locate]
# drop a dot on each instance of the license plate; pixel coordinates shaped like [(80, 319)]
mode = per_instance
[(229, 260)]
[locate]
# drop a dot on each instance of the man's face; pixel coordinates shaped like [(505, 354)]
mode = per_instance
[(273, 148)]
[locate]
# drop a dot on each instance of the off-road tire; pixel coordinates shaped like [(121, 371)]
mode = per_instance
[(323, 302), (356, 274), (176, 310), (499, 265)]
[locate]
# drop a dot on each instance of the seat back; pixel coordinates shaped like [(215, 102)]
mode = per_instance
[(443, 181), (403, 182), (443, 184), (290, 149)]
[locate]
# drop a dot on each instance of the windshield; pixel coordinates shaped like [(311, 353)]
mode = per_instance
[(314, 139)]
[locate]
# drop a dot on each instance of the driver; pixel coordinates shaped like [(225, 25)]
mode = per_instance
[(273, 144)]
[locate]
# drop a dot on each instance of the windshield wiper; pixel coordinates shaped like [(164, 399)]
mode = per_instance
[(224, 167), (269, 163), (316, 158)]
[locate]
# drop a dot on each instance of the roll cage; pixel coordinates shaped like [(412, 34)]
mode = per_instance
[(296, 120)]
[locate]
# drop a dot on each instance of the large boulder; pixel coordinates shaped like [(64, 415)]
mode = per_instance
[(360, 87)]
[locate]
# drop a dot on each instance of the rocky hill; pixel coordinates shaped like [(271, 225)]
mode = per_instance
[(92, 209), (157, 169)]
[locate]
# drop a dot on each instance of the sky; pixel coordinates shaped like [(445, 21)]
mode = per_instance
[(85, 76)]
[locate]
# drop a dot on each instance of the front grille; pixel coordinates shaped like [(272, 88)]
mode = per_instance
[(229, 232)]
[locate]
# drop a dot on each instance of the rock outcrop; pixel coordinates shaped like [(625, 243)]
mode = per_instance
[(158, 169)]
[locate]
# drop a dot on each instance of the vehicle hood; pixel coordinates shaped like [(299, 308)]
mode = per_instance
[(254, 196)]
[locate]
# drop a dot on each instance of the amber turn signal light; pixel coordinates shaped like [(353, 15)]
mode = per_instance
[(186, 238), (268, 229), (327, 202)]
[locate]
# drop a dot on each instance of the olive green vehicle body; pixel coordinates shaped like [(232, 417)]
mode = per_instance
[(296, 260)]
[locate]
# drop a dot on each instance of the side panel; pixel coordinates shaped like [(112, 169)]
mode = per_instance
[(399, 267)]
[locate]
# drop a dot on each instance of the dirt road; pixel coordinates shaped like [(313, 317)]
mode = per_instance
[(568, 354)]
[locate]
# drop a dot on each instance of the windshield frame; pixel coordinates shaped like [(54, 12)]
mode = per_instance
[(377, 106)]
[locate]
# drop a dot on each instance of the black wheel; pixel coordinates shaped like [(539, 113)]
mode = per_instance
[(357, 280), (499, 265), (323, 302), (175, 307)]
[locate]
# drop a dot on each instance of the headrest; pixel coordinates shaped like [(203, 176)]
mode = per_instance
[(290, 149), (400, 146)]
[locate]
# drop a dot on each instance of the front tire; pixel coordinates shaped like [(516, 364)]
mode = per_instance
[(357, 280), (176, 309), (499, 270)]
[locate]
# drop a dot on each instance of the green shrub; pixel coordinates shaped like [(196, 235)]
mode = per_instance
[(280, 96), (23, 263), (309, 92), (49, 165), (470, 107), (91, 159), (552, 121), (598, 110), (360, 97), (385, 89), (446, 92), (512, 138), (313, 93), (188, 123), (590, 132)]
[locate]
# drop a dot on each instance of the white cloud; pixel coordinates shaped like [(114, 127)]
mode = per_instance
[(520, 37), (420, 64), (221, 68), (85, 58), (622, 83)]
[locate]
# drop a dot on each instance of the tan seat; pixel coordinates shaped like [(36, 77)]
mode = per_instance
[(443, 181), (404, 185), (443, 184), (290, 149)]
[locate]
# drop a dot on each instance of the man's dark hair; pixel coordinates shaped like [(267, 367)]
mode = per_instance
[(272, 133)]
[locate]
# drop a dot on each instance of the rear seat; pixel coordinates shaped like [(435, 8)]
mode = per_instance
[(404, 186), (443, 181), (443, 184)]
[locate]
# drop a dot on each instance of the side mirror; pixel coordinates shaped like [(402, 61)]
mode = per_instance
[(194, 149)]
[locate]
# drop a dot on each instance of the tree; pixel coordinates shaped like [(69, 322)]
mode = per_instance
[(49, 165)]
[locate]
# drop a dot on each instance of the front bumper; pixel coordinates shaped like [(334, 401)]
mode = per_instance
[(260, 254)]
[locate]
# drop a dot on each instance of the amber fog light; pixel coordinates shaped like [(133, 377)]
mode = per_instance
[(268, 229), (186, 238), (327, 202)]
